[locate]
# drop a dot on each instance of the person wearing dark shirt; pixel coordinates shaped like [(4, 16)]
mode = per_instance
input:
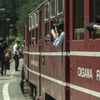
[(3, 46), (92, 26)]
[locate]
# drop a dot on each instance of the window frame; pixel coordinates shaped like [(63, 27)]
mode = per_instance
[(94, 10), (32, 20), (36, 18), (45, 12), (50, 9), (57, 8), (37, 38), (46, 30), (77, 31)]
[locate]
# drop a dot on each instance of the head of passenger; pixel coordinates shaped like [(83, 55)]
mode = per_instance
[(60, 26), (47, 38), (53, 26)]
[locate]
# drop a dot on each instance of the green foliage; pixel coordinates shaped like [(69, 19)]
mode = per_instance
[(17, 11)]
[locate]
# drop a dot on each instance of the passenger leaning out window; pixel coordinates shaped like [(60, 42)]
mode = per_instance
[(58, 34), (92, 26)]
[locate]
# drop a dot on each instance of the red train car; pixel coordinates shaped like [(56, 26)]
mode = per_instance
[(72, 73)]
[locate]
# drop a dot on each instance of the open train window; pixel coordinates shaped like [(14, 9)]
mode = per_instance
[(79, 20), (60, 6), (29, 22), (37, 36), (47, 11), (33, 20), (52, 38), (96, 17), (52, 8), (46, 32), (33, 36), (37, 17), (30, 37)]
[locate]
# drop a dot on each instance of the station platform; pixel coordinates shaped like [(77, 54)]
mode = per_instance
[(10, 84)]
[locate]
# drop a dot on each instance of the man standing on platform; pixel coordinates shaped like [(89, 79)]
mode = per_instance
[(16, 53)]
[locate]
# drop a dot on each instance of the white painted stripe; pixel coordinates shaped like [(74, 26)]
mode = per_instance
[(47, 77), (34, 53), (34, 72), (85, 90), (75, 87), (54, 80), (79, 53), (5, 92), (26, 52), (55, 53), (49, 53), (72, 53)]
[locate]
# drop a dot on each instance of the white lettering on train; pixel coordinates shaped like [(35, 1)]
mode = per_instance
[(85, 72), (98, 75), (34, 63)]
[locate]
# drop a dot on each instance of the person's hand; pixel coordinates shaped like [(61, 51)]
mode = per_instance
[(57, 34), (53, 33)]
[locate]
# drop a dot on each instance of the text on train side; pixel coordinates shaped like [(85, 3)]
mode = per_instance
[(88, 73)]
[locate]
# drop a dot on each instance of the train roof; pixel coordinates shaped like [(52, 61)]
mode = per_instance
[(38, 7)]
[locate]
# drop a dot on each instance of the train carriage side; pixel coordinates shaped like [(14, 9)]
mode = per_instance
[(55, 63), (35, 50), (48, 68), (84, 50)]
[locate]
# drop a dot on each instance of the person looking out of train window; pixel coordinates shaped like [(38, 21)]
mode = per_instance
[(33, 40), (93, 26), (58, 34), (47, 38)]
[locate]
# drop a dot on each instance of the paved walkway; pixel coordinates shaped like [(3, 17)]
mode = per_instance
[(10, 83)]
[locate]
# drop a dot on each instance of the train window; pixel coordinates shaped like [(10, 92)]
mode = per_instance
[(33, 36), (47, 11), (52, 38), (60, 6), (79, 20), (96, 17), (37, 18), (47, 32), (33, 20), (30, 37), (53, 9), (33, 33), (37, 36), (30, 22)]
